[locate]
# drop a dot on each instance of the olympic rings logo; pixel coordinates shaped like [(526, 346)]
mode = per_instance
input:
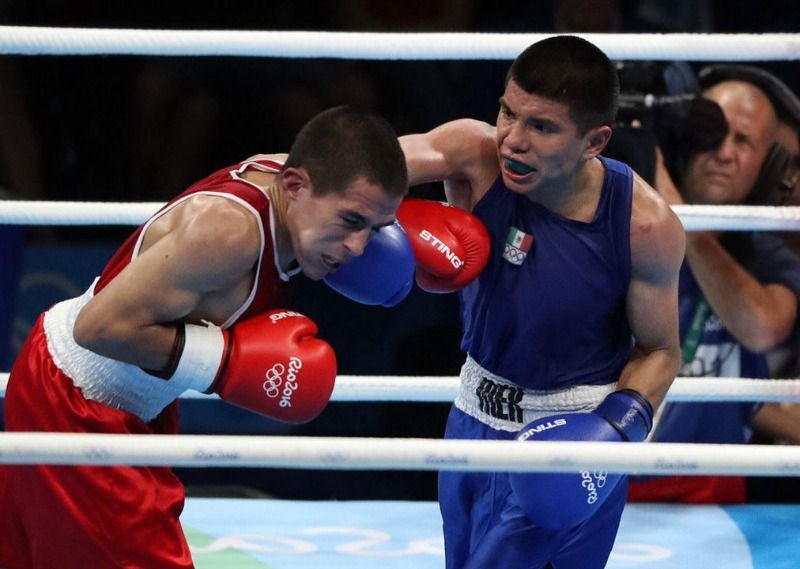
[(514, 255), (274, 379)]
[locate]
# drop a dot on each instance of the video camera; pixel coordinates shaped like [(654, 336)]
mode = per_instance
[(660, 104)]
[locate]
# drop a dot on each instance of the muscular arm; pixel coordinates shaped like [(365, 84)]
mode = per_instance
[(657, 247), (461, 153), (759, 316), (201, 249)]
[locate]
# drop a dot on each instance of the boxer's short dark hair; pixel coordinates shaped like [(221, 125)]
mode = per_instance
[(342, 144), (572, 71)]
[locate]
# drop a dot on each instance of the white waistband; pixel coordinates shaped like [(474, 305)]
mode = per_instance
[(116, 384), (505, 406)]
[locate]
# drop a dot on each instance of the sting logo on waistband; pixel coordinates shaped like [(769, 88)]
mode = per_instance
[(500, 401)]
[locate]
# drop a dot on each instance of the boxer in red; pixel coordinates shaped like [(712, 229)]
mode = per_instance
[(192, 300)]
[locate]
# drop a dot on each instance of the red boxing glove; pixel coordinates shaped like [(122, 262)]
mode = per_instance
[(450, 244), (276, 366)]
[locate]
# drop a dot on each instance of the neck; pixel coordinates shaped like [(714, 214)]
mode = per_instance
[(283, 240), (577, 196)]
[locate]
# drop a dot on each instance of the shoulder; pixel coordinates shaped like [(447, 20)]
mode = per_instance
[(471, 135), (218, 230), (461, 151), (658, 241), (455, 140), (473, 127)]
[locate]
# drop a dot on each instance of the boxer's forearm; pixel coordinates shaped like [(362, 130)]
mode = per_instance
[(651, 373)]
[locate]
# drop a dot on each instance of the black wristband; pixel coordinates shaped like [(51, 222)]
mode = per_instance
[(174, 356)]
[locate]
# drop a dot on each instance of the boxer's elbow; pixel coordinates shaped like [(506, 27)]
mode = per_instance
[(85, 332), (95, 334)]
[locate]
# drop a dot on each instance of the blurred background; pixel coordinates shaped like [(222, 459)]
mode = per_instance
[(119, 128)]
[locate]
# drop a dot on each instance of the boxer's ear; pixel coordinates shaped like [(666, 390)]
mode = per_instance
[(295, 180)]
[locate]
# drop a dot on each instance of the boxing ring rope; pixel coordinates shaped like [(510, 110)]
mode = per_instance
[(23, 40), (444, 389), (29, 212), (363, 453), (693, 217), (432, 389)]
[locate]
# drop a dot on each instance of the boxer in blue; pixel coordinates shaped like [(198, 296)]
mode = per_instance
[(571, 330)]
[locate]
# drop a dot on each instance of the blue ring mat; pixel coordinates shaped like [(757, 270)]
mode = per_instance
[(294, 534)]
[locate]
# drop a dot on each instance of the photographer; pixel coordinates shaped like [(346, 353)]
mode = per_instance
[(738, 291)]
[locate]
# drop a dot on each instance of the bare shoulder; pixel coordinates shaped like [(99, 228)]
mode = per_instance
[(658, 241), (461, 151), (215, 230), (470, 136), (474, 156), (473, 127), (454, 141)]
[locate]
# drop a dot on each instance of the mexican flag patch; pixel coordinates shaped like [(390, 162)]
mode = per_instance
[(517, 246)]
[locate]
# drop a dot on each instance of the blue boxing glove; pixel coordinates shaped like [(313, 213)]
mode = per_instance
[(564, 500), (383, 274)]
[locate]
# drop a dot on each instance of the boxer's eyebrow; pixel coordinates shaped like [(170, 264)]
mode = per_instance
[(356, 218)]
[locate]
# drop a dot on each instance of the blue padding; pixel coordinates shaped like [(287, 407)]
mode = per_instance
[(765, 528)]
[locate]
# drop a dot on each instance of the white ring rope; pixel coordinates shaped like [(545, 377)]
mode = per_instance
[(359, 453), (443, 389), (25, 212), (374, 45), (693, 217), (738, 217)]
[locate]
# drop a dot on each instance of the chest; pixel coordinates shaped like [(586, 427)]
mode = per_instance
[(542, 264)]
